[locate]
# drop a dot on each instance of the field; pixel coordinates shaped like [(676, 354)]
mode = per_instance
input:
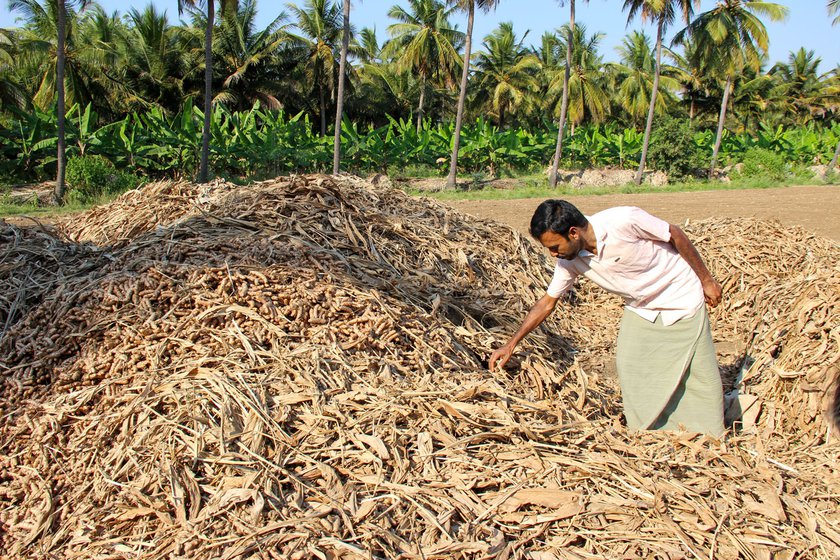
[(815, 208), (297, 369)]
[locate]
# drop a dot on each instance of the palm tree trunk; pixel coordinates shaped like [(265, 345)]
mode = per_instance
[(652, 108), (462, 97), (721, 120), (691, 110), (203, 168), (345, 43), (420, 104), (833, 162), (564, 105), (58, 193), (323, 105)]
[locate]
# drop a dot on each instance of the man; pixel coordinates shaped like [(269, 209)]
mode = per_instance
[(665, 357)]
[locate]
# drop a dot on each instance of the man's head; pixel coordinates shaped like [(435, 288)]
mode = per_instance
[(559, 226)]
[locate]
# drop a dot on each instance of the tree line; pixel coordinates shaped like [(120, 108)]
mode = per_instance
[(715, 71)]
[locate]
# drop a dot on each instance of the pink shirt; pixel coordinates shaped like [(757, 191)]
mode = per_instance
[(635, 261)]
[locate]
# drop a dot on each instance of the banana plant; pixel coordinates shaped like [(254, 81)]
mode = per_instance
[(804, 145), (261, 142), (130, 146), (81, 129), (35, 144)]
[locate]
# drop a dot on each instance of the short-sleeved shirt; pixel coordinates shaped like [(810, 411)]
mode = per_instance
[(635, 261)]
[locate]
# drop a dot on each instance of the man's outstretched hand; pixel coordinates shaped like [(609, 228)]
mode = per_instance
[(500, 357)]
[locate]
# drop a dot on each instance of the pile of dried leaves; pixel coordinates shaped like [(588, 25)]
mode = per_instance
[(296, 369)]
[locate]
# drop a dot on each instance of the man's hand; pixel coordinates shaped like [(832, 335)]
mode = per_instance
[(542, 309), (500, 357), (712, 292)]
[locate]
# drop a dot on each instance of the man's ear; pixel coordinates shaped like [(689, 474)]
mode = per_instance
[(573, 231)]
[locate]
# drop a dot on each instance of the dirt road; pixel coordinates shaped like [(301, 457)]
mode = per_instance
[(816, 208)]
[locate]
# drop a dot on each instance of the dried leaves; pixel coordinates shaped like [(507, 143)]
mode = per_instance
[(295, 369)]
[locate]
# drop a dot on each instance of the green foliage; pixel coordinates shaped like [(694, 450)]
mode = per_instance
[(807, 145), (601, 146), (5, 192), (762, 162), (673, 148), (89, 177), (261, 143)]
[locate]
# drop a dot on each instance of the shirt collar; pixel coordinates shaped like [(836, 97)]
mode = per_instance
[(600, 237)]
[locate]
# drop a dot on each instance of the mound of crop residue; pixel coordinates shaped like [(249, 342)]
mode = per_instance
[(295, 369)]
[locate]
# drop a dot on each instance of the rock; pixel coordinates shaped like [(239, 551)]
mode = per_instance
[(818, 170), (380, 179), (602, 178), (607, 177), (656, 178)]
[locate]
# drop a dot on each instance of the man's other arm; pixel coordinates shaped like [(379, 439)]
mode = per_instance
[(711, 288)]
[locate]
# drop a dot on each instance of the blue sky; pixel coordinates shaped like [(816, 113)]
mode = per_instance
[(807, 25)]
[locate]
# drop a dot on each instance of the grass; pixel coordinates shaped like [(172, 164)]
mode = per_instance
[(533, 185), (10, 208), (536, 186)]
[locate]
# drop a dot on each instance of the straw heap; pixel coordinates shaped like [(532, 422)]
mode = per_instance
[(296, 369)]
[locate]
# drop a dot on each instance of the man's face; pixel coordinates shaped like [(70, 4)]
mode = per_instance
[(561, 247)]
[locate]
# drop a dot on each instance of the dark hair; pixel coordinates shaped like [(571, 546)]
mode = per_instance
[(557, 216)]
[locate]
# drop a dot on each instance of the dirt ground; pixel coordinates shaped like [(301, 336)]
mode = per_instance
[(816, 208)]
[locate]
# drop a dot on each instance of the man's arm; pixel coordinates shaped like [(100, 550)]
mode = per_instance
[(711, 289), (533, 319)]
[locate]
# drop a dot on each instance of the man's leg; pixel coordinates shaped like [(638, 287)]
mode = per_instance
[(697, 404)]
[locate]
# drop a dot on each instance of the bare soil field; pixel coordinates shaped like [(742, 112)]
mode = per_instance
[(815, 208)]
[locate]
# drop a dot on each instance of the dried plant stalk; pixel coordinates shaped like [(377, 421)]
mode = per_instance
[(296, 369)]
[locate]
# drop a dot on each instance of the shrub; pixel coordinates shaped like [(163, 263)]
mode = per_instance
[(90, 177), (761, 162), (672, 148)]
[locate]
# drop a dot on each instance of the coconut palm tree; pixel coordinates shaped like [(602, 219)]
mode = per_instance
[(11, 93), (345, 44), (694, 82), (636, 78), (558, 149), (373, 96), (506, 72), (663, 12), (834, 9), (383, 88), (43, 18), (548, 51), (800, 89), (424, 43), (552, 65), (469, 6), (252, 62), (153, 65), (101, 32), (730, 37), (753, 96), (369, 51), (210, 22), (586, 89), (103, 37), (320, 23)]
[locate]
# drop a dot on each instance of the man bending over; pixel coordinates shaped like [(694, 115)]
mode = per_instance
[(665, 357)]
